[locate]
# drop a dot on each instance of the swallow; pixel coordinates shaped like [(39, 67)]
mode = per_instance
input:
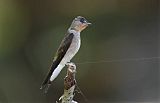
[(66, 51)]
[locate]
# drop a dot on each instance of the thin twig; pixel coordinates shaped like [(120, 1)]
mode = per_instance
[(120, 60)]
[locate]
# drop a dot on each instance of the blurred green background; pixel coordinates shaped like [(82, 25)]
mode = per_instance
[(31, 31)]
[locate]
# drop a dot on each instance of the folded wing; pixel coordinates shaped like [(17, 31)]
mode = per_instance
[(65, 44)]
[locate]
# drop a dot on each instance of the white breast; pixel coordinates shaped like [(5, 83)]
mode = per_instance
[(73, 49), (75, 45)]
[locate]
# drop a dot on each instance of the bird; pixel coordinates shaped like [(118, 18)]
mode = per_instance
[(66, 51)]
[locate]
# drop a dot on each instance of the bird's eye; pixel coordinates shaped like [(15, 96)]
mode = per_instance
[(82, 20)]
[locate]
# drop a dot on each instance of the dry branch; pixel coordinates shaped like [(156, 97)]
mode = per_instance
[(69, 84)]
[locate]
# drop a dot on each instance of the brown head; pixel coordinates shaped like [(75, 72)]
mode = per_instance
[(79, 23)]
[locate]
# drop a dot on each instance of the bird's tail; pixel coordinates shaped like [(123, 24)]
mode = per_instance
[(46, 86), (50, 77)]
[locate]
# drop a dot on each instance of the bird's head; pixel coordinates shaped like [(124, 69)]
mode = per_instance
[(79, 23)]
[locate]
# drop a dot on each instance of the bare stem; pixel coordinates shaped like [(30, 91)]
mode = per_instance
[(69, 84)]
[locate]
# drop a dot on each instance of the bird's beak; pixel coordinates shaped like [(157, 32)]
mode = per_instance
[(89, 23)]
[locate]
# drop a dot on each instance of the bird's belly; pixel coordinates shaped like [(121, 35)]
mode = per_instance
[(73, 49)]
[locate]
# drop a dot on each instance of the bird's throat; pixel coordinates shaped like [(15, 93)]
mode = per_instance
[(79, 28)]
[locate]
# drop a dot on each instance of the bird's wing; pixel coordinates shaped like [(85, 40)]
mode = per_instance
[(65, 44)]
